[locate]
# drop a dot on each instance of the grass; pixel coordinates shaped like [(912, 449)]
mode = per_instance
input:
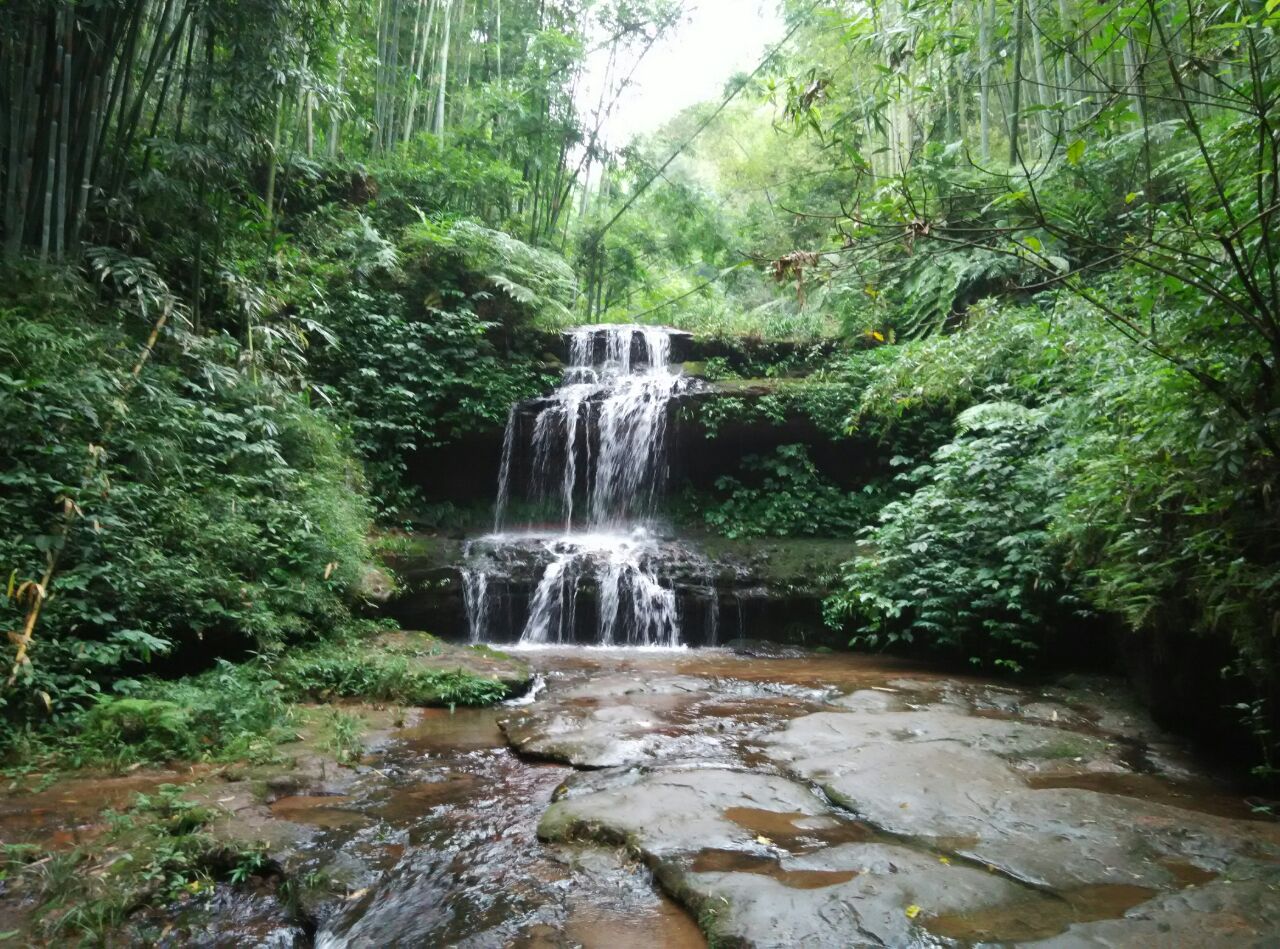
[(243, 712), (350, 670), (157, 852)]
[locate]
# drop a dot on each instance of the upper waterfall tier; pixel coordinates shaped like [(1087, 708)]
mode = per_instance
[(593, 453)]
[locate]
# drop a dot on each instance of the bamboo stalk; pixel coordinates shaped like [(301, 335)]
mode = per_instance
[(421, 74), (984, 76), (59, 243), (1014, 117), (273, 161), (51, 162), (444, 73)]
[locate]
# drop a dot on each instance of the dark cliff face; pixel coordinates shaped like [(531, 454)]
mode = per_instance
[(725, 590), (466, 470)]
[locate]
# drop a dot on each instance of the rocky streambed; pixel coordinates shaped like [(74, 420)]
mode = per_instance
[(647, 798)]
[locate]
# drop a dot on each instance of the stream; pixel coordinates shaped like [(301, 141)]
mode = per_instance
[(782, 800), (649, 795)]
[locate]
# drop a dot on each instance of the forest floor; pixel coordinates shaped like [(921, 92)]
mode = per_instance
[(161, 855), (661, 798)]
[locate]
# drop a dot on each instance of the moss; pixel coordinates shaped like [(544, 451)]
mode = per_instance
[(784, 563), (490, 653)]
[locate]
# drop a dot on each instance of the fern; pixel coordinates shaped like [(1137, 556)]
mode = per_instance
[(531, 276)]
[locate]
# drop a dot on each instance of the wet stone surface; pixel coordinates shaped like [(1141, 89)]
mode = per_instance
[(655, 798), (839, 809)]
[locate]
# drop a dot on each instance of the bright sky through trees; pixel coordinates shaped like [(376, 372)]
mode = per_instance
[(714, 40)]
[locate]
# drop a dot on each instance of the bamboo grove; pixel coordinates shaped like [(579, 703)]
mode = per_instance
[(1074, 140), (121, 109)]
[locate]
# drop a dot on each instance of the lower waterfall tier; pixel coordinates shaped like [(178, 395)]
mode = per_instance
[(605, 588), (616, 589)]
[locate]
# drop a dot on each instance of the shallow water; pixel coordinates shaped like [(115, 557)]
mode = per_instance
[(463, 807), (436, 842)]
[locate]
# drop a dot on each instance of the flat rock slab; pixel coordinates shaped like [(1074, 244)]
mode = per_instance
[(1240, 915), (921, 812), (870, 894), (673, 810), (631, 719), (610, 721), (763, 861), (946, 780)]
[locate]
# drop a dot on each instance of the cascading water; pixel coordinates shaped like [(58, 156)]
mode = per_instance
[(596, 466)]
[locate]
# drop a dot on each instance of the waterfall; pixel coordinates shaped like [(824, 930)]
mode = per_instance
[(595, 467), (608, 420), (475, 594)]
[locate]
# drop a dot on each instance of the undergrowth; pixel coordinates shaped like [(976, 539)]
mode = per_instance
[(242, 712), (156, 852)]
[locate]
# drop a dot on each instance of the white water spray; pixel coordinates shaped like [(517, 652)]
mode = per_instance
[(598, 461)]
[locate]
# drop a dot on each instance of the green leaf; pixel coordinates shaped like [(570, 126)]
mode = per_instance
[(1075, 151)]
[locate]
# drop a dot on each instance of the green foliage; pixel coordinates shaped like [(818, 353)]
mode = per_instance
[(785, 497), (231, 712), (355, 667), (200, 508), (537, 280), (416, 356), (966, 564), (157, 852), (826, 402)]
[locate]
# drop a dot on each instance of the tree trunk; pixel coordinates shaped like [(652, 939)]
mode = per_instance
[(1014, 118), (444, 73), (273, 160), (984, 74)]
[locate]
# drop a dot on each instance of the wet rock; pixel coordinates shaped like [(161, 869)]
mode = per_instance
[(377, 585), (232, 918), (835, 732), (1221, 915), (612, 721), (610, 687), (671, 810), (763, 649), (601, 738), (997, 699), (749, 854), (871, 700), (943, 779), (1051, 713), (882, 892)]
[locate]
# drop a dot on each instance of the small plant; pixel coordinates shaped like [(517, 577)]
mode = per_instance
[(344, 737), (157, 852), (786, 497)]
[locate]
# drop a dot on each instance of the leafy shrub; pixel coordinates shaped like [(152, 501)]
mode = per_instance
[(205, 508), (966, 564), (787, 497), (232, 711), (155, 730)]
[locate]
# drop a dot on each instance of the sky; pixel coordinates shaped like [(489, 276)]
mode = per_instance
[(714, 40)]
